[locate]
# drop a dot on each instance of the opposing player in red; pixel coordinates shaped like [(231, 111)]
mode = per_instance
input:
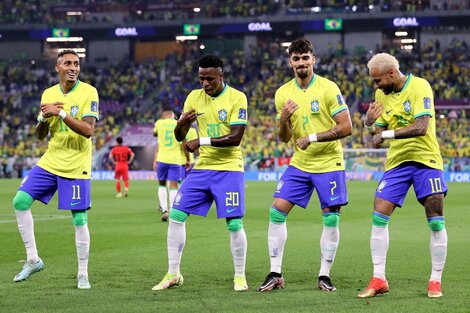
[(121, 156)]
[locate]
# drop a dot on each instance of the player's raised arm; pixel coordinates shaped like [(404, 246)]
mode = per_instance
[(285, 124), (184, 123)]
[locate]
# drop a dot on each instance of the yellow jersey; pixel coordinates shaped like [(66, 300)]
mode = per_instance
[(69, 154), (169, 149), (318, 104), (215, 116), (400, 110)]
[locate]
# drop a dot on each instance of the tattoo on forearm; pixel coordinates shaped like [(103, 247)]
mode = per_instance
[(330, 135), (418, 128)]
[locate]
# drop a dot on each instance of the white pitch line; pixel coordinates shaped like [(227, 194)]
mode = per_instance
[(39, 218)]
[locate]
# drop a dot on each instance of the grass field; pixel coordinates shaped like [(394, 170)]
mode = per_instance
[(128, 257)]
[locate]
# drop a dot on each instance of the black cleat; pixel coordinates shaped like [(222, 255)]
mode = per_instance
[(272, 281), (325, 284)]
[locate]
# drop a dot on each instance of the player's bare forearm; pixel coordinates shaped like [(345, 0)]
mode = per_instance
[(42, 129), (183, 124), (181, 131), (84, 127), (285, 131), (342, 129), (230, 140), (418, 128)]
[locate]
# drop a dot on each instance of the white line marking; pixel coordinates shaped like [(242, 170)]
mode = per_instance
[(36, 218)]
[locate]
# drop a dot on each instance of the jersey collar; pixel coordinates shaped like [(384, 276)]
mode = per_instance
[(223, 91), (309, 85), (407, 82), (73, 88)]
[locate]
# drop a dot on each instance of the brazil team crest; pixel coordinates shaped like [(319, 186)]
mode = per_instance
[(222, 115), (74, 110), (382, 185), (315, 106), (407, 106), (178, 198)]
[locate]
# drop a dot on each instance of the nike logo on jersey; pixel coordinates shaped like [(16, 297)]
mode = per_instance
[(199, 114), (74, 203), (334, 198), (231, 210), (386, 112)]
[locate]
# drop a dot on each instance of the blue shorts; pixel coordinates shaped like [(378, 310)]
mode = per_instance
[(297, 186), (74, 194), (202, 187), (166, 171), (426, 181)]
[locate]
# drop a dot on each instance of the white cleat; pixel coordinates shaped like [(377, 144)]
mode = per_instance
[(82, 282), (29, 268)]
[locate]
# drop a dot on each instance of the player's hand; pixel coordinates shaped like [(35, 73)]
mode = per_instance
[(288, 110), (155, 166), (303, 142), (51, 109), (373, 113), (377, 141), (192, 145), (187, 117), (187, 166)]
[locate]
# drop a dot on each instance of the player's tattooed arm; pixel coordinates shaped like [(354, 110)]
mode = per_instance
[(418, 128), (84, 127), (377, 139)]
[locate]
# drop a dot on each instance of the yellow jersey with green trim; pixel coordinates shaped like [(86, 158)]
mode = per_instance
[(318, 104), (215, 115), (169, 149), (191, 135), (68, 153), (400, 110)]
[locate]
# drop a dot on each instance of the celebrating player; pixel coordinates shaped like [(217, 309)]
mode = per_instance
[(221, 114), (121, 156), (404, 114), (69, 111), (167, 160), (311, 111)]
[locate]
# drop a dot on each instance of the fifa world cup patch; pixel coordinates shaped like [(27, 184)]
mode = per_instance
[(242, 114), (427, 103), (340, 99), (94, 106)]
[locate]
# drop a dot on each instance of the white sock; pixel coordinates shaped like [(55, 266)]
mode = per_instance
[(378, 247), (438, 253), (328, 245), (82, 243), (175, 243), (163, 198), (238, 246), (26, 228), (173, 193), (277, 236)]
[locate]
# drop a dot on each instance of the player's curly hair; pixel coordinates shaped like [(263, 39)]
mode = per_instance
[(66, 51), (300, 45), (211, 60)]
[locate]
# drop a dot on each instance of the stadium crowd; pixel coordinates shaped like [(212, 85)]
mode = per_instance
[(52, 12), (135, 92)]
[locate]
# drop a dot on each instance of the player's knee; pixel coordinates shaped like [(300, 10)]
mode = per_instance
[(379, 219), (330, 219), (22, 200), (436, 223), (234, 224), (178, 215), (79, 218), (277, 217)]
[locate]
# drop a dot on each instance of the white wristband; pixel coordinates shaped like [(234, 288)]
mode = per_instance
[(370, 128), (42, 118), (388, 134), (205, 141), (312, 138), (62, 114)]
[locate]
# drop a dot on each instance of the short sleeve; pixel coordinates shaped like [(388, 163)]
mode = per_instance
[(92, 105), (239, 114)]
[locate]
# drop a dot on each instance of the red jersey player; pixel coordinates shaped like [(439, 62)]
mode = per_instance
[(121, 156)]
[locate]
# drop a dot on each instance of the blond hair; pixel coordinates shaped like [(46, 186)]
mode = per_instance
[(384, 62)]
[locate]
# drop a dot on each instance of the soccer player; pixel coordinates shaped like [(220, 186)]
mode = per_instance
[(187, 158), (312, 113), (68, 111), (121, 156), (167, 160), (403, 112), (221, 113)]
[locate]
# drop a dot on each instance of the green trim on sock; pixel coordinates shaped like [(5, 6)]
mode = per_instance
[(234, 224), (330, 219), (437, 225), (22, 201), (379, 221), (79, 218), (178, 215), (276, 217)]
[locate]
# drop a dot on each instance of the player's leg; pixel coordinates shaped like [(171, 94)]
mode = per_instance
[(238, 247), (82, 244), (173, 190), (117, 177), (192, 200), (125, 178), (332, 193), (430, 189), (162, 176), (40, 185), (390, 193)]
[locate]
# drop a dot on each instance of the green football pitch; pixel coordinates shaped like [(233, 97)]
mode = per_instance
[(128, 257)]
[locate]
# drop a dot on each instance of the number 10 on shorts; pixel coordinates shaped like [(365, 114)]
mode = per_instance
[(232, 199)]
